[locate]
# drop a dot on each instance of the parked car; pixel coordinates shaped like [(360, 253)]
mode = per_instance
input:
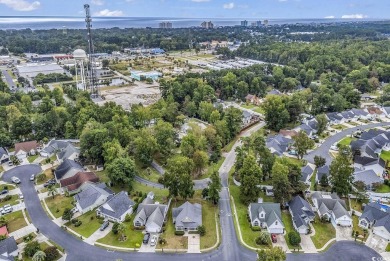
[(104, 225), (274, 239), (146, 238), (32, 177), (6, 209), (153, 241), (10, 163), (4, 191), (21, 196), (49, 183), (292, 152), (15, 180)]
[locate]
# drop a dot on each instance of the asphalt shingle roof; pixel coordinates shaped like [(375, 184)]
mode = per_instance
[(302, 211), (88, 196), (188, 215), (8, 246), (368, 177), (117, 205), (272, 212), (66, 166)]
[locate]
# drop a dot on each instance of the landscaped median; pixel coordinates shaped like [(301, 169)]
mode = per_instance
[(324, 232)]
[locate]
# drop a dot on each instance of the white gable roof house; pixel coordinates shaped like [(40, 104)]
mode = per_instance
[(116, 208), (91, 196), (266, 215), (187, 217)]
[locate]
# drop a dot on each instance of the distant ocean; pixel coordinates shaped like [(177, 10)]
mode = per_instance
[(58, 22)]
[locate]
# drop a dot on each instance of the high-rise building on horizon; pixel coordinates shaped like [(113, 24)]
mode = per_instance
[(207, 25), (265, 22), (244, 23), (165, 25)]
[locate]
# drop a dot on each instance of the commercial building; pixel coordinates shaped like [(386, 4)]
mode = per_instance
[(31, 70), (207, 25), (140, 75), (244, 23), (165, 25)]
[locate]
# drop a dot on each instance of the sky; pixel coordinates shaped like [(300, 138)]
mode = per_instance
[(202, 8)]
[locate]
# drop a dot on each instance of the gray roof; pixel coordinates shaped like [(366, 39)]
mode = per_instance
[(279, 143), (306, 171), (313, 124), (66, 166), (387, 109), (337, 206), (90, 193), (302, 211), (151, 213), (68, 151), (187, 215), (368, 177), (365, 161), (306, 128), (117, 205), (3, 152), (54, 146), (274, 92), (332, 116), (359, 112), (8, 245), (272, 212), (373, 212), (385, 222), (321, 171)]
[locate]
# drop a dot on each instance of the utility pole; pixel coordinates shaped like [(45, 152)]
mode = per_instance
[(92, 79)]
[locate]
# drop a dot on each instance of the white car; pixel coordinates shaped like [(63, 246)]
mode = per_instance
[(15, 180), (21, 196), (153, 241), (6, 209)]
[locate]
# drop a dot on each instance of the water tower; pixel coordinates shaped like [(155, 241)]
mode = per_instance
[(80, 57)]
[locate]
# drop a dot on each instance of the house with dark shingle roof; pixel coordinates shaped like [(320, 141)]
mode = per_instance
[(69, 152), (91, 196), (333, 208), (278, 144), (25, 149), (302, 214), (187, 217), (116, 208), (8, 249), (4, 157), (73, 184), (266, 215), (376, 217), (53, 147), (334, 118), (67, 169), (307, 172), (368, 177), (322, 171)]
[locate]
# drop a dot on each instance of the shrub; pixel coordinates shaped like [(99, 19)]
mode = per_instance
[(28, 238), (115, 228), (74, 221), (8, 197), (51, 253), (179, 233), (6, 187), (162, 241), (127, 218), (78, 223), (263, 239), (31, 248), (202, 230), (91, 218), (68, 214), (41, 177), (256, 228), (294, 238), (161, 180)]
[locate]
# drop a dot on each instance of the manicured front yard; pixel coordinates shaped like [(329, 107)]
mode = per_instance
[(324, 233), (15, 221), (288, 225), (357, 205), (339, 127), (172, 241), (48, 175), (385, 155), (59, 204), (42, 246), (32, 158), (12, 201), (355, 221), (346, 141), (383, 188), (89, 224)]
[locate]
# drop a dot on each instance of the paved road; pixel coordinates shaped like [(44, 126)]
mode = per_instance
[(323, 150), (9, 79)]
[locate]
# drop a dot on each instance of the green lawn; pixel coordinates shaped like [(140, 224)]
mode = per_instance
[(1, 169), (346, 141), (230, 145), (15, 221), (339, 127), (173, 241), (58, 204), (12, 201), (148, 173), (48, 175), (324, 233), (160, 195), (32, 158), (353, 123), (383, 188), (248, 106), (385, 155), (259, 110), (248, 235), (388, 248), (133, 237), (288, 225), (313, 180), (356, 205), (89, 224), (355, 221)]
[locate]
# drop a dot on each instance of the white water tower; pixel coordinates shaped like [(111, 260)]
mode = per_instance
[(80, 58)]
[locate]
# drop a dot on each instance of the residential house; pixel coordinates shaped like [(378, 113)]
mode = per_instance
[(4, 157), (306, 128), (8, 249), (73, 184), (288, 133), (302, 214), (367, 97), (252, 99), (332, 208), (360, 114), (375, 112), (91, 196), (69, 152), (368, 177), (68, 168), (334, 118), (151, 215), (322, 171), (187, 217), (278, 144), (248, 118), (377, 218), (386, 111), (53, 147), (266, 215), (25, 149), (307, 172), (116, 208)]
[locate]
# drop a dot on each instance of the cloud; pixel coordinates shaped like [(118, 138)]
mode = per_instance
[(107, 12), (354, 16), (330, 17), (97, 2), (200, 1), (21, 5), (228, 6)]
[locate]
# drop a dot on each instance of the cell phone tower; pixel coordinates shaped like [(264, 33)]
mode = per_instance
[(92, 75)]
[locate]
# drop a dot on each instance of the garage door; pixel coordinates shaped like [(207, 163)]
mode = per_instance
[(276, 230), (344, 223)]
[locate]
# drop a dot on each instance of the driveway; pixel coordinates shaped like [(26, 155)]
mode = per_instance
[(193, 243), (147, 248), (343, 233), (376, 242), (98, 234), (281, 242), (307, 244)]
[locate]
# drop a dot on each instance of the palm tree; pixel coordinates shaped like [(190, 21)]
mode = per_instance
[(121, 231), (39, 256), (51, 191)]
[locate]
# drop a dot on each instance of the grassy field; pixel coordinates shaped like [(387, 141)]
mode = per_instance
[(385, 155), (346, 141), (259, 110), (248, 235), (356, 205), (288, 225), (148, 173), (12, 201), (133, 237), (353, 123), (383, 188), (32, 158), (313, 180), (324, 233), (89, 224), (15, 221), (58, 204)]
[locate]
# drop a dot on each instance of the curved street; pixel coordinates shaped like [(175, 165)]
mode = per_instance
[(229, 249)]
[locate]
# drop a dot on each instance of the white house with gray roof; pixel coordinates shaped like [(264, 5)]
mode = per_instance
[(187, 217), (4, 157), (151, 215), (368, 177), (69, 152), (266, 215), (54, 146), (307, 172), (302, 214), (377, 218), (116, 208), (8, 249), (333, 208), (91, 196)]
